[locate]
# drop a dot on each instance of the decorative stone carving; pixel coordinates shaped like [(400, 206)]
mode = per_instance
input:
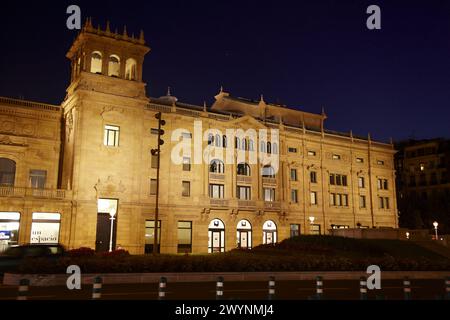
[(109, 187)]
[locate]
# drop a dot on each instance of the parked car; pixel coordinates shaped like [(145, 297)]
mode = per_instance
[(13, 256)]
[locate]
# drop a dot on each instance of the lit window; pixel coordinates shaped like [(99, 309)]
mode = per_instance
[(7, 172), (269, 194), (380, 162), (243, 193), (114, 66), (313, 196), (359, 160), (130, 69), (184, 237), (96, 62), (216, 191), (422, 167), (361, 182), (295, 230), (111, 137), (186, 164), (362, 202), (45, 228), (336, 157), (311, 153), (150, 235), (186, 186)]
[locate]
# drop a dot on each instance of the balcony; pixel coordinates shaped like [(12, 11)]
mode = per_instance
[(267, 180), (244, 179), (218, 203), (272, 205), (216, 176), (246, 204), (19, 192)]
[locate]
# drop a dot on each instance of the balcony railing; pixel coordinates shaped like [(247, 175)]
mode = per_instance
[(218, 202), (20, 192), (269, 180), (272, 205), (216, 176), (246, 203), (244, 179)]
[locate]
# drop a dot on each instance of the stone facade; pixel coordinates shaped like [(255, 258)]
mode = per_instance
[(68, 142)]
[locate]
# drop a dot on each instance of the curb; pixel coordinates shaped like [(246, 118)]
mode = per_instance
[(48, 280)]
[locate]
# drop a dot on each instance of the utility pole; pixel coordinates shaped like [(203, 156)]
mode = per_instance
[(158, 153)]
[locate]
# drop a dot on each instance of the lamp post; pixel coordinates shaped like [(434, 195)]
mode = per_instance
[(435, 224), (311, 220), (112, 213)]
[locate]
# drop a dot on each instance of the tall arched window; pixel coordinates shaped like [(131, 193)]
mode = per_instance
[(237, 143), (269, 147), (210, 139), (96, 62), (130, 69), (218, 140), (216, 236), (250, 145), (244, 234), (268, 172), (243, 169), (274, 148), (216, 166), (244, 144), (7, 172), (262, 146), (269, 232), (114, 66)]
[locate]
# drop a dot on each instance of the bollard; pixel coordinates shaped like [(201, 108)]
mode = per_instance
[(219, 288), (362, 288), (23, 289), (271, 295), (97, 288), (407, 288), (162, 288), (447, 288), (319, 288)]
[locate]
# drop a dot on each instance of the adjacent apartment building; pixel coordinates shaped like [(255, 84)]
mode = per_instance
[(82, 174)]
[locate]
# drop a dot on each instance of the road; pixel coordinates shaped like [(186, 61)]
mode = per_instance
[(285, 290)]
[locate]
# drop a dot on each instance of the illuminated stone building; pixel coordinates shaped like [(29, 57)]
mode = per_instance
[(65, 169)]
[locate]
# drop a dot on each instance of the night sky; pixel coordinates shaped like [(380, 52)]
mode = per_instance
[(305, 54)]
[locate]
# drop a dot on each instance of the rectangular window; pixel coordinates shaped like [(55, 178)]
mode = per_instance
[(295, 230), (338, 200), (9, 229), (269, 194), (313, 176), (152, 187), (345, 200), (361, 182), (338, 179), (314, 229), (111, 136), (38, 179), (313, 197), (332, 179), (154, 161), (186, 164), (45, 228), (184, 237), (382, 184), (186, 189), (383, 202), (380, 162), (311, 153), (336, 157), (292, 150), (186, 135), (332, 199), (359, 160), (216, 191), (243, 193), (362, 202), (150, 235), (294, 174), (294, 196)]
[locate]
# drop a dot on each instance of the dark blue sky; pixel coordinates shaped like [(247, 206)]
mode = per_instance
[(306, 54)]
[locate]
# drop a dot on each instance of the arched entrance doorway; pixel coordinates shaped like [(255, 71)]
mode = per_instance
[(216, 236), (269, 232), (244, 234)]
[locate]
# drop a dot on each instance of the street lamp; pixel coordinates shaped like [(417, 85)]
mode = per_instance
[(311, 220), (435, 224), (407, 235), (112, 213)]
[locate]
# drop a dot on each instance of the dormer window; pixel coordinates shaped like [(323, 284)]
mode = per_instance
[(96, 62), (114, 66)]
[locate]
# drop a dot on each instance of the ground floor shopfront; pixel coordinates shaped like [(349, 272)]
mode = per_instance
[(106, 224)]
